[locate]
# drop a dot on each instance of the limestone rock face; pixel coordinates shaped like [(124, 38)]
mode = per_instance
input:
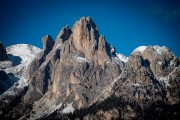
[(48, 43), (83, 69), (63, 35), (39, 71), (3, 54), (86, 35), (80, 76), (151, 73), (162, 60), (76, 70), (173, 93)]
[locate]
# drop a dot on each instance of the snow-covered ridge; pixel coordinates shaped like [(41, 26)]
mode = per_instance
[(140, 49), (157, 49), (24, 51), (19, 57), (122, 57)]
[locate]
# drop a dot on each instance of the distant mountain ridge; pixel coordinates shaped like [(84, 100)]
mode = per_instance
[(80, 75), (18, 57)]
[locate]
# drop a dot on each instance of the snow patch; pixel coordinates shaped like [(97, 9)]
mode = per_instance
[(164, 80), (5, 64), (159, 63), (58, 46), (159, 50), (81, 59), (131, 84), (24, 51), (136, 84), (22, 83), (68, 109), (171, 63), (140, 49), (122, 58)]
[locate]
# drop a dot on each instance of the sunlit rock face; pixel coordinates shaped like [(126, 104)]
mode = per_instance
[(77, 70), (80, 75)]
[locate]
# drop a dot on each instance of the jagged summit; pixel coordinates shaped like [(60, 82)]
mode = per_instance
[(86, 36), (75, 73), (63, 35), (80, 76), (48, 42)]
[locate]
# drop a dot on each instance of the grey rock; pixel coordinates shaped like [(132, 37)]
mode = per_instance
[(39, 71), (82, 71), (48, 43), (87, 72), (63, 35), (80, 77)]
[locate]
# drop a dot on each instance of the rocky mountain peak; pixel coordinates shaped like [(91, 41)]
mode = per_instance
[(48, 42), (159, 59), (3, 54), (84, 63), (63, 35), (81, 76), (86, 35)]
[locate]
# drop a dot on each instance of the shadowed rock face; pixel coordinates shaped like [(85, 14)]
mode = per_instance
[(3, 54), (150, 73), (3, 77), (150, 78), (82, 69), (80, 76), (48, 43), (63, 35), (39, 72), (78, 69)]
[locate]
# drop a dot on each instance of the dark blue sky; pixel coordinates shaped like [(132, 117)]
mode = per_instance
[(126, 24)]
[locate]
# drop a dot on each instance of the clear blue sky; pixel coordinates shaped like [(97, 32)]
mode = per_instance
[(126, 24)]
